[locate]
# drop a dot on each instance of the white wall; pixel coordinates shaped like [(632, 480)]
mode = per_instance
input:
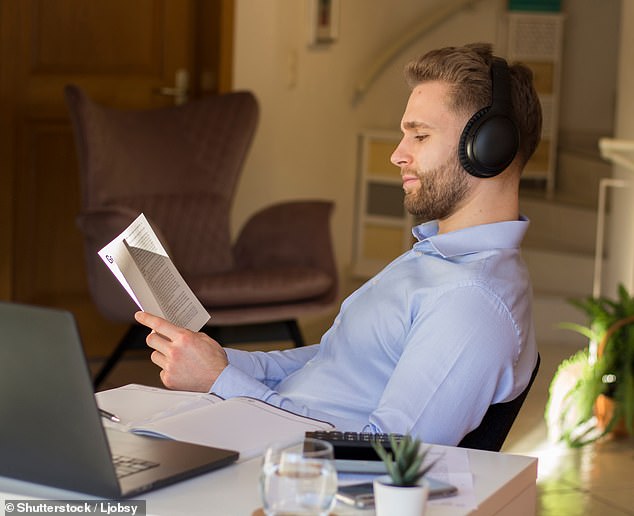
[(589, 66), (620, 248)]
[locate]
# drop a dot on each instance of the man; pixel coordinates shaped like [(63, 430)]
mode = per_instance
[(446, 329)]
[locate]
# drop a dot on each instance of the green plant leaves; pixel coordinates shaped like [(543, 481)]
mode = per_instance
[(404, 463), (611, 321)]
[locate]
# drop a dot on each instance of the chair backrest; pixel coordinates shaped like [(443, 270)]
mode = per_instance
[(179, 165), (497, 422)]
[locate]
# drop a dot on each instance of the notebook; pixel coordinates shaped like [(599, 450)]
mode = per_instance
[(52, 432)]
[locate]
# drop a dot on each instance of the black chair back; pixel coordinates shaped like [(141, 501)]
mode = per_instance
[(497, 422)]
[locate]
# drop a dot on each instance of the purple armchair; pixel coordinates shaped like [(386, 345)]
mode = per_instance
[(179, 166)]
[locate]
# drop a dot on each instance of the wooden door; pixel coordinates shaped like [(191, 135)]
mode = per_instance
[(121, 52)]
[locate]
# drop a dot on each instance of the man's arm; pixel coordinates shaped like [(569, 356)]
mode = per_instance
[(272, 366), (193, 361)]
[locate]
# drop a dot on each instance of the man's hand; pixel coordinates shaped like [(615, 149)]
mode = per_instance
[(189, 361)]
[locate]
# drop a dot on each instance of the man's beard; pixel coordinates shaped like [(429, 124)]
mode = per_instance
[(440, 193)]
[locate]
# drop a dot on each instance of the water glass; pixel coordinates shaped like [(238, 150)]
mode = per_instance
[(298, 479)]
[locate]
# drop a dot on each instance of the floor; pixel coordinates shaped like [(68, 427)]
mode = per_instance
[(597, 480)]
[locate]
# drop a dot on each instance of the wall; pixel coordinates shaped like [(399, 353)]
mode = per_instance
[(589, 66), (620, 247)]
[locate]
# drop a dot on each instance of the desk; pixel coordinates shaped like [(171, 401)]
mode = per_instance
[(504, 485)]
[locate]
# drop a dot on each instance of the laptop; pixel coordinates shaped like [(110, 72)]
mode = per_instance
[(51, 431)]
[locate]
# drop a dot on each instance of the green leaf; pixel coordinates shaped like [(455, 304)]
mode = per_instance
[(411, 474)]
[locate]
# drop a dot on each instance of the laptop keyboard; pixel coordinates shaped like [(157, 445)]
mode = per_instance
[(125, 466)]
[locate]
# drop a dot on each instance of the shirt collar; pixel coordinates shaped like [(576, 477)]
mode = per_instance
[(498, 235)]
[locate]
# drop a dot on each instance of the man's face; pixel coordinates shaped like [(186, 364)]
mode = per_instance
[(434, 182)]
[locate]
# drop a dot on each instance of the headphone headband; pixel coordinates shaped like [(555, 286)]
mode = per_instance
[(501, 86)]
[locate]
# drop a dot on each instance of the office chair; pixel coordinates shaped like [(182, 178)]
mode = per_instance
[(497, 422), (179, 166)]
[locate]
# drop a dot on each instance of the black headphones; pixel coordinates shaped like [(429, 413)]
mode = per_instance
[(491, 138)]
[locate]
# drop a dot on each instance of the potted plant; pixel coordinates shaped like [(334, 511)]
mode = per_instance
[(403, 490), (592, 392)]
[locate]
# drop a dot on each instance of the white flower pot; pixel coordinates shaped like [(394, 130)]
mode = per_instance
[(391, 500)]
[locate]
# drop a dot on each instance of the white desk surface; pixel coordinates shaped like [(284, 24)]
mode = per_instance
[(504, 484)]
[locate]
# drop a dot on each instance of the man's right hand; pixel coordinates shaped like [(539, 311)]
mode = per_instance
[(189, 361)]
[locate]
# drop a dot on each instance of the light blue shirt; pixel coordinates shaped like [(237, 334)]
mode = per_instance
[(424, 347)]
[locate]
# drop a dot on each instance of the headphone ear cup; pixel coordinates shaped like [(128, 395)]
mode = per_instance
[(490, 139), (488, 143), (465, 146)]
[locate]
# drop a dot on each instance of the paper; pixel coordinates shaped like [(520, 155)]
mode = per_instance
[(143, 267), (244, 424)]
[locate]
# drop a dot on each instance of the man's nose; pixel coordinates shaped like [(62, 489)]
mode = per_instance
[(400, 157)]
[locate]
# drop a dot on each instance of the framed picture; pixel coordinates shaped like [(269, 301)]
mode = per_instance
[(323, 21)]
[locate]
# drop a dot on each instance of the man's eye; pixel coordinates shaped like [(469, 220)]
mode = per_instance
[(421, 137)]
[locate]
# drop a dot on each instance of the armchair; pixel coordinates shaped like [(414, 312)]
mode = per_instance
[(180, 165)]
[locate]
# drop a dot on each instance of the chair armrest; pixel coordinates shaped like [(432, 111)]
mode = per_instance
[(293, 233)]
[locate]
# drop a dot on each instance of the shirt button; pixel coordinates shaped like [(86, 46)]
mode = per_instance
[(418, 253)]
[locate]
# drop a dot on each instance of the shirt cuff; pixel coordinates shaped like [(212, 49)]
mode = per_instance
[(233, 381), (241, 359)]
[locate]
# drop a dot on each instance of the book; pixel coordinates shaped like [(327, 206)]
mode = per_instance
[(244, 424), (141, 264)]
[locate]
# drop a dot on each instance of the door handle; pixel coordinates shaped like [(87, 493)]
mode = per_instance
[(180, 89)]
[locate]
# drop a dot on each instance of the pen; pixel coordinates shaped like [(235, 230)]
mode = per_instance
[(109, 415)]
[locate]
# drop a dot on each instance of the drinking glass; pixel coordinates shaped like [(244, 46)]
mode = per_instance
[(299, 478)]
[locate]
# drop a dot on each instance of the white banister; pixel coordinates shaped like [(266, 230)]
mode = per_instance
[(599, 243), (620, 152)]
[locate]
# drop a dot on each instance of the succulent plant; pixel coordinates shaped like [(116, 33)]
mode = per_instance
[(404, 463)]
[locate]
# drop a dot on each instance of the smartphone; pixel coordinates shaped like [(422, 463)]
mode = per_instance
[(362, 495)]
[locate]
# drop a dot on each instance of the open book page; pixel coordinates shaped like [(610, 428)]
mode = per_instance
[(141, 264), (243, 424)]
